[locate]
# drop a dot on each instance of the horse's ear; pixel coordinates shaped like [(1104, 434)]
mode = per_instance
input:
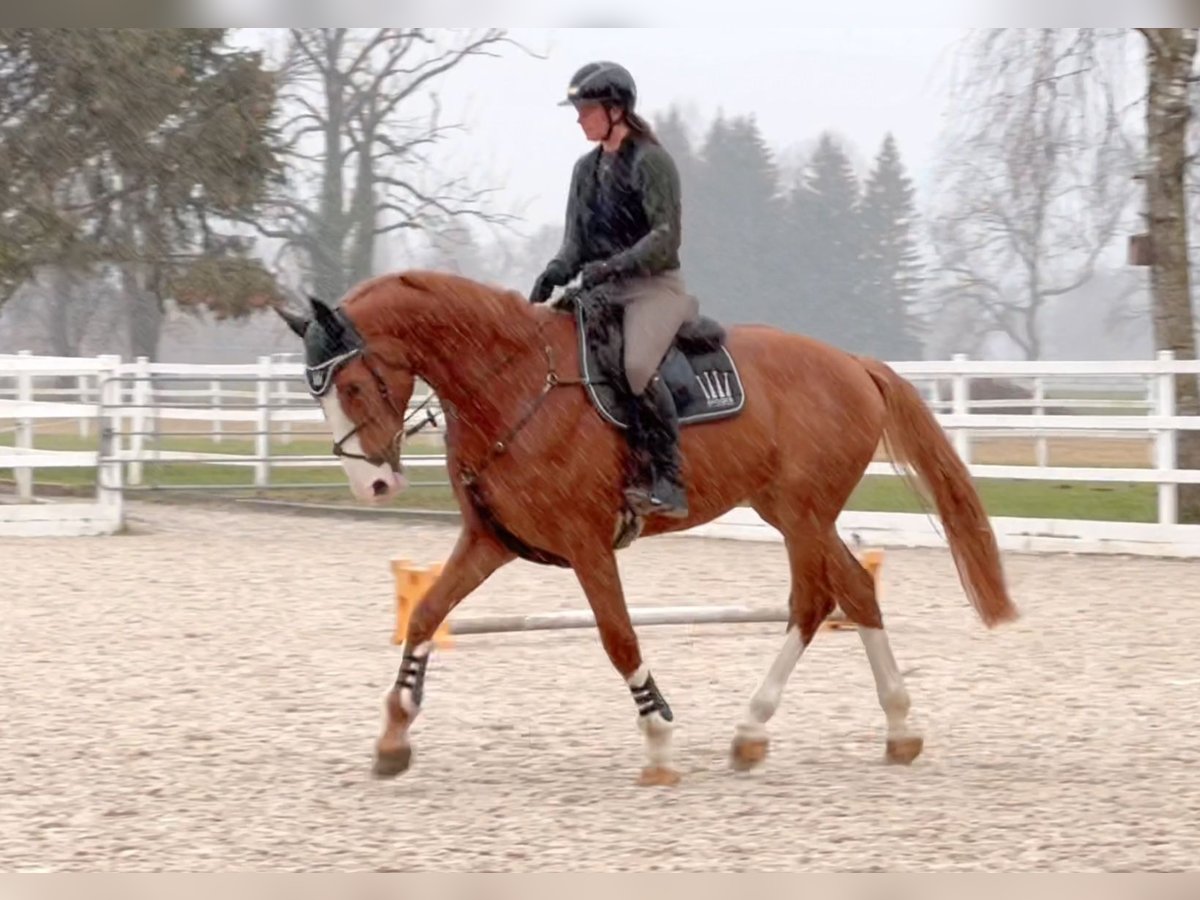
[(325, 315), (296, 321)]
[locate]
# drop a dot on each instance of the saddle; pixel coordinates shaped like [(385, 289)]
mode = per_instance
[(698, 368)]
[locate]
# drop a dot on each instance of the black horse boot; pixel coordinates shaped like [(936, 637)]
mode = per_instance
[(658, 432)]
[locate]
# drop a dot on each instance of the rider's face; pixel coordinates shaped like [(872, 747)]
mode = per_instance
[(593, 119)]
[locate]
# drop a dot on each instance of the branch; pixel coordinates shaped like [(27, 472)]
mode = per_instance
[(381, 36), (394, 150), (397, 226), (453, 58), (310, 111), (299, 41), (362, 96), (297, 235)]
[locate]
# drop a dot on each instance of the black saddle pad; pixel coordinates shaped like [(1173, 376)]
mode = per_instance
[(698, 368)]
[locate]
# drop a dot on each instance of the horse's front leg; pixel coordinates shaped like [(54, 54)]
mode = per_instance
[(475, 557), (599, 577)]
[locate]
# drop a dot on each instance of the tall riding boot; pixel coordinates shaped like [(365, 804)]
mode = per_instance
[(639, 468), (658, 422)]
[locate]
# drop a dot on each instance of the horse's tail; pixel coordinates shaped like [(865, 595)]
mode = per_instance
[(912, 429)]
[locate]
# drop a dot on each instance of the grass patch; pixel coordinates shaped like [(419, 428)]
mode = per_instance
[(1111, 502), (316, 484), (327, 484)]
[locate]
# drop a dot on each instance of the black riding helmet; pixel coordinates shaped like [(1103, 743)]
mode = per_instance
[(602, 82)]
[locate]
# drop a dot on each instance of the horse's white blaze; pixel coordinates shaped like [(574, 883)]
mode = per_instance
[(766, 699), (653, 726), (889, 684), (368, 483)]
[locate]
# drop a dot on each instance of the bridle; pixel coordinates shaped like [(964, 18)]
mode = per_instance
[(320, 378)]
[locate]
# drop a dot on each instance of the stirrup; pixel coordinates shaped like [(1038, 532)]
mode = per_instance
[(648, 503)]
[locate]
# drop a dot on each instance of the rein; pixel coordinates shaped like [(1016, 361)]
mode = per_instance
[(404, 431), (469, 475)]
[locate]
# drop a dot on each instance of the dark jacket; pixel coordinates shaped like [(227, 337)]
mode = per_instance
[(625, 208)]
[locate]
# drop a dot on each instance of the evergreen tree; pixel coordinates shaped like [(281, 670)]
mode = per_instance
[(131, 148), (804, 313), (891, 268), (672, 133), (738, 209), (829, 205)]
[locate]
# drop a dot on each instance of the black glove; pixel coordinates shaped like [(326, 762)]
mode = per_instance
[(597, 272), (554, 275)]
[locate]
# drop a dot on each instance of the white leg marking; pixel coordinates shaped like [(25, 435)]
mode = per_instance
[(889, 684), (362, 475), (766, 699), (654, 727)]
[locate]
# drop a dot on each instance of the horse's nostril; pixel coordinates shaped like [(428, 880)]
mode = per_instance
[(379, 487)]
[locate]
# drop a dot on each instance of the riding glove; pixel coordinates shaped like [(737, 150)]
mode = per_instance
[(554, 275), (597, 272)]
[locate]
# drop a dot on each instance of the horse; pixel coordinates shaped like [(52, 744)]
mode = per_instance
[(777, 420)]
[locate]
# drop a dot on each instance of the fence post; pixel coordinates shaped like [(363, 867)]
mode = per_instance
[(109, 471), (141, 401), (1151, 390), (214, 387), (262, 440), (1041, 450), (961, 406), (282, 393), (82, 395), (1164, 440), (24, 435)]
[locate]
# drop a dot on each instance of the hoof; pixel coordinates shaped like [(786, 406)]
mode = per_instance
[(392, 761), (902, 751), (659, 776), (746, 753)]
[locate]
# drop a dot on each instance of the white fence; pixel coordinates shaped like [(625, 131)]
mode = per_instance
[(20, 413), (123, 407)]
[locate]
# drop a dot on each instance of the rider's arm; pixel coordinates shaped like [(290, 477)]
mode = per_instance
[(658, 250), (569, 252)]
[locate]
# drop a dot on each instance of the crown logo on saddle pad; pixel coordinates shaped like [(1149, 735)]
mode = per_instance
[(716, 387)]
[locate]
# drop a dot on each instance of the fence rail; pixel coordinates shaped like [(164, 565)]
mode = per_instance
[(124, 416)]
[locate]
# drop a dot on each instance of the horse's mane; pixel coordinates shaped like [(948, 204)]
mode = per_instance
[(425, 292)]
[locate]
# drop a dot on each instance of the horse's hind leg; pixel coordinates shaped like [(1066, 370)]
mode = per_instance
[(856, 594), (601, 582), (809, 604), (824, 571)]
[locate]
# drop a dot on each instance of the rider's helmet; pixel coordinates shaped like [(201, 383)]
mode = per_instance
[(602, 82)]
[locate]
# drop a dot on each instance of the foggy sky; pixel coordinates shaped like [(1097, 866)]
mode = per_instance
[(859, 83), (797, 82)]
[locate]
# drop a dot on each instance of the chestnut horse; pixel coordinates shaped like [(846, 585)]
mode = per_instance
[(539, 473)]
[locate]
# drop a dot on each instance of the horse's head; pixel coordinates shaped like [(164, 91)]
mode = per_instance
[(364, 395)]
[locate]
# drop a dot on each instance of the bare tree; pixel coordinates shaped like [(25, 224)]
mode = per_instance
[(1171, 61), (360, 116), (1037, 183)]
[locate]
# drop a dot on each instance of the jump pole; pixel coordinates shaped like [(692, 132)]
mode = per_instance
[(412, 581), (640, 615)]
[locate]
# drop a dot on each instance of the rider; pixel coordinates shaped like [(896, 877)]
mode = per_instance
[(623, 226)]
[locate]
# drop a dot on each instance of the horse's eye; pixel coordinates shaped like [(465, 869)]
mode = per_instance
[(352, 391)]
